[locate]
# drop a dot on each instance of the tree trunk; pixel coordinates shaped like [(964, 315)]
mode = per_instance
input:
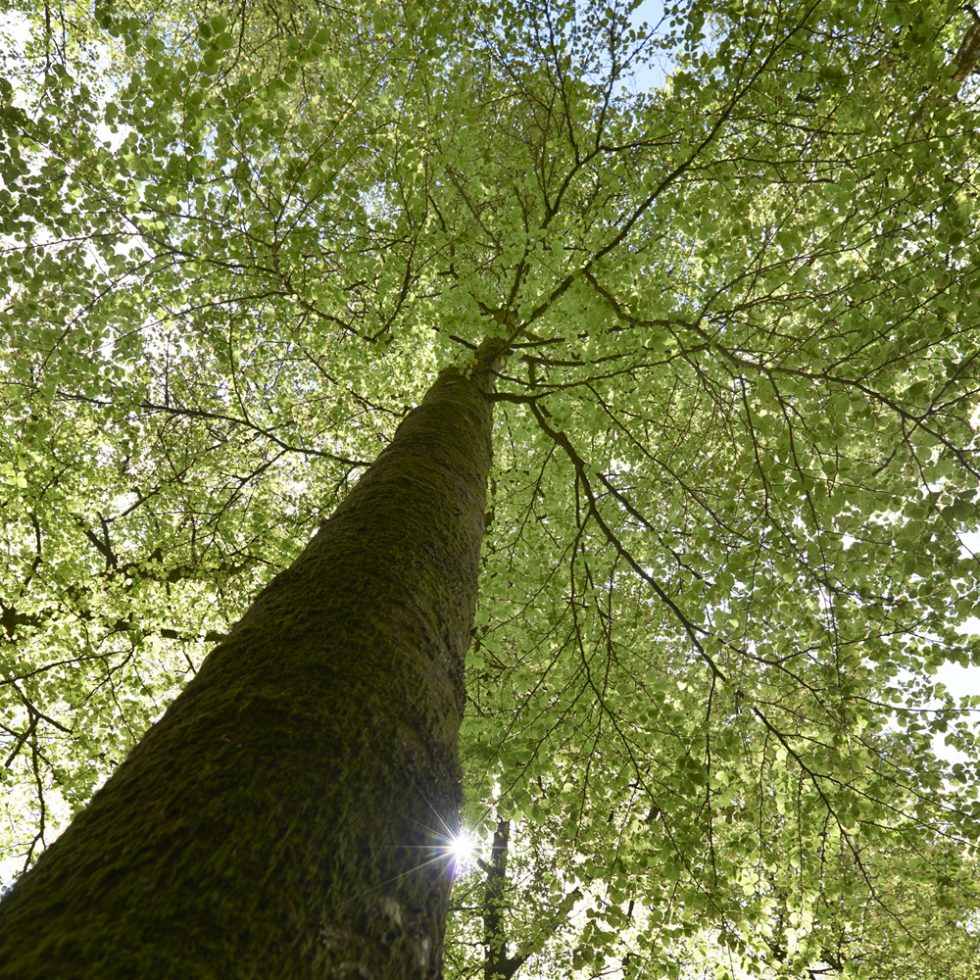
[(284, 817)]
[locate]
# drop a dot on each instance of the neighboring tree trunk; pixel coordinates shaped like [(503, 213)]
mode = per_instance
[(968, 55), (497, 965), (283, 818)]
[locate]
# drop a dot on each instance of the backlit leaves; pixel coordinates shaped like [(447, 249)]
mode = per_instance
[(733, 252)]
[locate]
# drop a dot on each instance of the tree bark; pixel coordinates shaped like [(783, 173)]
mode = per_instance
[(283, 819)]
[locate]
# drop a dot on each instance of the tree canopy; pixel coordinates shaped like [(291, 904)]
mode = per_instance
[(731, 249)]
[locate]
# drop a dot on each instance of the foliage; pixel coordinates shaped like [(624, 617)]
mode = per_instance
[(735, 435)]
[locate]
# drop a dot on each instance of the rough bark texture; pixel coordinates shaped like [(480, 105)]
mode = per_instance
[(283, 818)]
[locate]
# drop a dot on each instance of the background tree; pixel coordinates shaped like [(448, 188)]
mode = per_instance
[(734, 443)]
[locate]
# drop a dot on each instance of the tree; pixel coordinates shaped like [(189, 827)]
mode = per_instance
[(731, 326)]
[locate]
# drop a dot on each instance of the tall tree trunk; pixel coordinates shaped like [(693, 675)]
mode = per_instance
[(283, 818)]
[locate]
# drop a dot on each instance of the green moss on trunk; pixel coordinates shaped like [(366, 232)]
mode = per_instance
[(280, 819)]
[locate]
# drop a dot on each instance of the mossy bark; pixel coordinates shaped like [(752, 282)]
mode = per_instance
[(283, 818)]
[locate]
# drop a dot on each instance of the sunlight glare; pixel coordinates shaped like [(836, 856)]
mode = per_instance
[(461, 848)]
